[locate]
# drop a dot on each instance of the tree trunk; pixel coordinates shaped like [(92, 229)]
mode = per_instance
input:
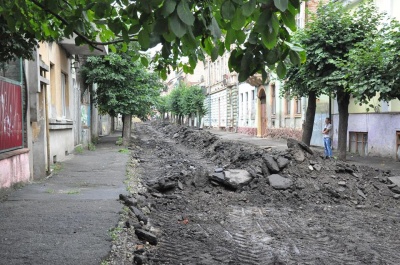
[(123, 125), (127, 129), (343, 99), (112, 124), (308, 126)]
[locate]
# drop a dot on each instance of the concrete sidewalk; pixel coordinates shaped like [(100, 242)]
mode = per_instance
[(65, 219), (384, 163)]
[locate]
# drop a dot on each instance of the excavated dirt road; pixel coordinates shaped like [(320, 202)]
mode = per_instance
[(329, 213)]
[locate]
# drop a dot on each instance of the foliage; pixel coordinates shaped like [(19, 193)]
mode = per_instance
[(192, 101), (374, 65), (123, 86), (258, 30), (328, 39), (119, 141), (184, 100), (162, 105), (14, 44)]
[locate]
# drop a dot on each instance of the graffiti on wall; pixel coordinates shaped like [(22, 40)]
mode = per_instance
[(10, 116)]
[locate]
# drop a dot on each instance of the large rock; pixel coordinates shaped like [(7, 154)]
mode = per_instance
[(279, 183), (271, 163), (147, 236), (294, 144), (298, 155), (282, 162), (395, 180), (236, 178)]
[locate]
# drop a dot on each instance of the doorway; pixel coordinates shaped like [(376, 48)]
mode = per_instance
[(263, 112)]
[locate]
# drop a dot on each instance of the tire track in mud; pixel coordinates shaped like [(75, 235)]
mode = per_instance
[(220, 231)]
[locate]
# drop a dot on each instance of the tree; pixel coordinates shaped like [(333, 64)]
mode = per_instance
[(375, 65), (257, 30), (192, 102), (123, 87), (175, 104), (328, 39)]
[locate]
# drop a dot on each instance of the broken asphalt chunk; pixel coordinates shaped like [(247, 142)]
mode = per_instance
[(139, 214), (147, 236), (279, 183), (271, 163)]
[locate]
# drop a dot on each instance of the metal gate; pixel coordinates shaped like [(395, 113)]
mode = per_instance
[(11, 128)]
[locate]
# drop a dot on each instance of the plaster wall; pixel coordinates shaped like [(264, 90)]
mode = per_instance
[(381, 129), (14, 169), (218, 107), (247, 106), (61, 144)]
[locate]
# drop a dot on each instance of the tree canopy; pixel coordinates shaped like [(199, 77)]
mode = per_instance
[(184, 101), (257, 31), (332, 35), (123, 86)]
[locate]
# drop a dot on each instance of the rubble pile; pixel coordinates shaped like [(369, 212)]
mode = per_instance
[(296, 174), (189, 176)]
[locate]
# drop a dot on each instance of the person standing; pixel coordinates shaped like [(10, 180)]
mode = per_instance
[(327, 132)]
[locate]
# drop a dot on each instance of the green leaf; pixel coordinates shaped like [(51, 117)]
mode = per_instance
[(214, 53), (240, 36), (289, 20), (272, 56), (269, 39), (281, 70), (294, 57), (248, 8), (176, 26), (144, 61), (168, 8), (230, 38), (282, 5), (294, 47), (238, 20), (214, 29), (227, 10), (264, 75), (262, 21), (185, 13), (144, 39)]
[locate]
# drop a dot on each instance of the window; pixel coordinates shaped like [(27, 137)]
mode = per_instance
[(298, 105), (64, 94), (273, 100), (358, 143)]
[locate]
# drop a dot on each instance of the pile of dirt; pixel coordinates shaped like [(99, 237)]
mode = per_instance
[(197, 199), (312, 178)]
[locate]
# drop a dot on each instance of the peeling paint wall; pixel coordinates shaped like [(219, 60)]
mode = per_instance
[(381, 129)]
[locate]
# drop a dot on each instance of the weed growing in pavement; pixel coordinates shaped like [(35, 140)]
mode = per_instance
[(92, 147), (50, 191), (124, 151), (79, 149), (55, 168), (72, 192), (114, 233), (104, 262), (119, 141)]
